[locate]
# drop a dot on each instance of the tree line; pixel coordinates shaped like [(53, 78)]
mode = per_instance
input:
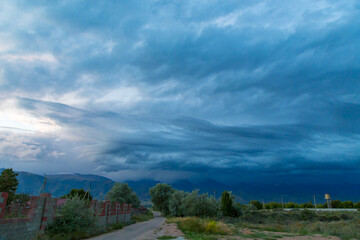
[(173, 202), (275, 205), (120, 192)]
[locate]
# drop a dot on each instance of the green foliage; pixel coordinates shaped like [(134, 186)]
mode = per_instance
[(336, 204), (273, 205), (176, 206), (200, 205), (342, 224), (198, 228), (226, 204), (75, 217), (229, 207), (192, 224), (9, 182), (143, 217), (21, 198), (257, 204), (81, 193), (211, 227), (160, 196), (347, 204), (122, 193)]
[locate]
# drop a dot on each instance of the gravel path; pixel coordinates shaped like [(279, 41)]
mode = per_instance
[(137, 231)]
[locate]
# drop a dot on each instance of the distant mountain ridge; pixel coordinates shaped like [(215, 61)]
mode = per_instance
[(60, 184)]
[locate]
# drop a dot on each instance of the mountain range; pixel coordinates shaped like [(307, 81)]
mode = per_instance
[(61, 184)]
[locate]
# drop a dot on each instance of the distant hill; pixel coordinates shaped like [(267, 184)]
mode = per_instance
[(61, 184)]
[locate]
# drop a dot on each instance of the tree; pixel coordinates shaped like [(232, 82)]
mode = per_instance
[(226, 203), (176, 207), (160, 196), (199, 205), (272, 205), (257, 204), (122, 193), (78, 193), (9, 182), (336, 203), (347, 204)]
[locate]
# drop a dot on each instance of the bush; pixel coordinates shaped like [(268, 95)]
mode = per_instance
[(195, 225), (192, 224), (200, 205), (211, 227), (75, 219), (256, 204)]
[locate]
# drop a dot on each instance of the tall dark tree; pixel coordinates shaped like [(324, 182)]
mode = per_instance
[(226, 203), (122, 193), (81, 193), (160, 197), (9, 182)]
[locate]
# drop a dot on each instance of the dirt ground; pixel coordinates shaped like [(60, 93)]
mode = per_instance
[(170, 229)]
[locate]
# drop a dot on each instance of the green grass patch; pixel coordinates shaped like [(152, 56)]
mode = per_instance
[(200, 228), (143, 217), (345, 225), (167, 237)]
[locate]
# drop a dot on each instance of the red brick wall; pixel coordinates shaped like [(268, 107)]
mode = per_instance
[(42, 211)]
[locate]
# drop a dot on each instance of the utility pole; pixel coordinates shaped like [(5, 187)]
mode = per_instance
[(315, 203), (282, 203), (263, 205), (43, 186)]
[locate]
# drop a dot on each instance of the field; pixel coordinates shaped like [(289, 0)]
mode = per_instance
[(274, 225)]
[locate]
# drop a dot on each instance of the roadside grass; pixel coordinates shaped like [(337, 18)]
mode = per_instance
[(143, 217), (272, 225), (77, 235), (167, 237), (201, 228), (98, 230), (343, 225)]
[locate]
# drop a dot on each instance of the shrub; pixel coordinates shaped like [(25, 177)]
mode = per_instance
[(199, 226), (75, 218), (192, 224), (211, 227), (257, 204), (200, 205)]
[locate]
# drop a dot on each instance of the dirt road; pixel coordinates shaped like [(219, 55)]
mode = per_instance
[(137, 231)]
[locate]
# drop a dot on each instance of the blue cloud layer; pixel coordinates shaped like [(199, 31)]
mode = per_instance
[(261, 89)]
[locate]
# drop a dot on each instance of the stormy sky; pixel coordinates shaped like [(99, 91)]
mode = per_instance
[(230, 90)]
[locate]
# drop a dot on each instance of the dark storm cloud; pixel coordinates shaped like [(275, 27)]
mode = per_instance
[(205, 87)]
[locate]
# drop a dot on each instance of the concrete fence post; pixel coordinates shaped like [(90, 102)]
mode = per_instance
[(3, 200), (43, 218)]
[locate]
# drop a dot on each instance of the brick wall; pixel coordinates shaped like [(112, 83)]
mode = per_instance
[(43, 211)]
